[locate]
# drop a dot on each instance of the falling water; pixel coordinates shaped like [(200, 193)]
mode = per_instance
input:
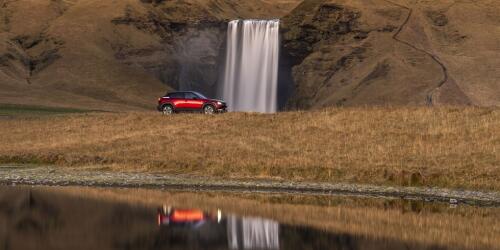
[(251, 72)]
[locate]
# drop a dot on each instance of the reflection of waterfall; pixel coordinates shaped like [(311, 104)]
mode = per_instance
[(252, 233), (251, 72)]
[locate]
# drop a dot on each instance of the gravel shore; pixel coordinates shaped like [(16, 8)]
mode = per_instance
[(56, 176)]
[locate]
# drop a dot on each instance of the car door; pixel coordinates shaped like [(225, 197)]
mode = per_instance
[(193, 102), (178, 100)]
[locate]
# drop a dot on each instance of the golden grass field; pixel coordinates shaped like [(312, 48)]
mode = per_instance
[(409, 221), (443, 147)]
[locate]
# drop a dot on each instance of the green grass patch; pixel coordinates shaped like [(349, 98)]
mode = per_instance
[(12, 110)]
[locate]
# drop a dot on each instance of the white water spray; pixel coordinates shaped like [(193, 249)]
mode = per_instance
[(251, 72)]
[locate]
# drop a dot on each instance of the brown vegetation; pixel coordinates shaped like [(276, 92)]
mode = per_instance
[(445, 147)]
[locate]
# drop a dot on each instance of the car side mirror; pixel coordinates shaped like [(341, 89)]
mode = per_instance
[(195, 98)]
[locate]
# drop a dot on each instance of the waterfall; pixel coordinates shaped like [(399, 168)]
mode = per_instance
[(251, 71)]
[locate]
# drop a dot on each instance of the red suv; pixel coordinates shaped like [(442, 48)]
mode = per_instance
[(189, 101)]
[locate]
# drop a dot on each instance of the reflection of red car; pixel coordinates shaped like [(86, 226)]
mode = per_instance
[(205, 230), (169, 216)]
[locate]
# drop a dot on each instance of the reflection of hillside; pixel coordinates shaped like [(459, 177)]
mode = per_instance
[(31, 219)]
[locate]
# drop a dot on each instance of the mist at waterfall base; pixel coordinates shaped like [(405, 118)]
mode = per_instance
[(250, 82)]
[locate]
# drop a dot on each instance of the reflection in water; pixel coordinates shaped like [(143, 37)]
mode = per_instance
[(196, 229), (213, 228), (252, 233), (31, 219)]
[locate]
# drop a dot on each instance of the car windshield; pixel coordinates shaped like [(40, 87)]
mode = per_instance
[(200, 95)]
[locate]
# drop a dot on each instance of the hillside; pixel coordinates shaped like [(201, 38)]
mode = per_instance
[(97, 54), (365, 52), (121, 55)]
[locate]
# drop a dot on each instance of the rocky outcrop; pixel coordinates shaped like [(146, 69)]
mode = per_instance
[(312, 25), (334, 55), (40, 52), (351, 53), (317, 21), (188, 57)]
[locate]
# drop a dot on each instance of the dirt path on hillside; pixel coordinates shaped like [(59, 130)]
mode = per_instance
[(54, 176), (434, 57)]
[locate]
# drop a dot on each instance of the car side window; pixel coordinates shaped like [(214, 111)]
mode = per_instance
[(176, 95), (190, 96)]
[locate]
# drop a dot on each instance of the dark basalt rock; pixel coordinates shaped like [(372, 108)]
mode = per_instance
[(34, 53), (191, 51), (314, 23)]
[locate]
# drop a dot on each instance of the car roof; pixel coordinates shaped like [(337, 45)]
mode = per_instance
[(193, 92), (174, 92)]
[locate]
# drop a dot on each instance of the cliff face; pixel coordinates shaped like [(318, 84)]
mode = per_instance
[(364, 52), (103, 54)]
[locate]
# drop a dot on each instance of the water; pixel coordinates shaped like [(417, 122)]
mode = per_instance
[(251, 71), (104, 218)]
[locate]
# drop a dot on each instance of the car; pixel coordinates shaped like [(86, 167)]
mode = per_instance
[(189, 101)]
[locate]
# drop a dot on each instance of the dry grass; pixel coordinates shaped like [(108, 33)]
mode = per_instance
[(472, 228), (445, 147)]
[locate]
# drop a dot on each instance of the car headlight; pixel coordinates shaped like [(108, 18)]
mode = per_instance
[(219, 103)]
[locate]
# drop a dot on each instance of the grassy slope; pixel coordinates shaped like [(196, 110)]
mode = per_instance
[(349, 69), (12, 110), (446, 147)]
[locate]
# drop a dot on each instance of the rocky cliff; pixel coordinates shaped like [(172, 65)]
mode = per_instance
[(103, 54), (115, 55), (363, 52)]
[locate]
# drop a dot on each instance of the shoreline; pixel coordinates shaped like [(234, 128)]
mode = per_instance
[(53, 176)]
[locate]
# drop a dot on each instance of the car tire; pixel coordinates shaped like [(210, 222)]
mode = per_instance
[(209, 110), (167, 109)]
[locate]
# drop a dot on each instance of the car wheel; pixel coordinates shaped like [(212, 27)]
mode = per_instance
[(209, 110), (168, 110)]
